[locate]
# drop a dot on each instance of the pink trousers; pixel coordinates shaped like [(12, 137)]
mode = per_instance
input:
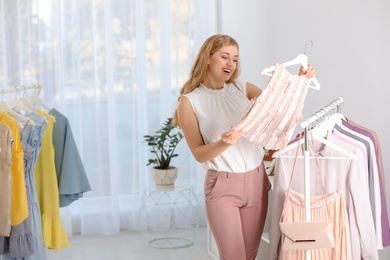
[(236, 208)]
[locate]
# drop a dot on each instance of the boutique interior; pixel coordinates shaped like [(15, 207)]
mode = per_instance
[(83, 82)]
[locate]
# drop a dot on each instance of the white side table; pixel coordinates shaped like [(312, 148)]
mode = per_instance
[(169, 215)]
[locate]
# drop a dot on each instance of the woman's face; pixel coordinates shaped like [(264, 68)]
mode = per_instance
[(223, 63)]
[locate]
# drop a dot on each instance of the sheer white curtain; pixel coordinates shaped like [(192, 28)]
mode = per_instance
[(114, 68)]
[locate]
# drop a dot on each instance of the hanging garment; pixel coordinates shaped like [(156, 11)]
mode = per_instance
[(20, 243), (379, 164), (6, 140), (19, 205), (346, 175), (321, 209), (54, 235), (372, 175), (71, 176), (271, 118), (33, 136)]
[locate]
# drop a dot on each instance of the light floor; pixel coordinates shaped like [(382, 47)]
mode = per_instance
[(129, 245)]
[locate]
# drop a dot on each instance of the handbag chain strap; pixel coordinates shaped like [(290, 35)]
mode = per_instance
[(315, 155), (317, 164)]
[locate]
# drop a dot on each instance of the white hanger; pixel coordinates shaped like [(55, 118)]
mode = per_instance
[(338, 118), (301, 59), (26, 102), (17, 104), (5, 108), (326, 123), (330, 122), (36, 100), (319, 136)]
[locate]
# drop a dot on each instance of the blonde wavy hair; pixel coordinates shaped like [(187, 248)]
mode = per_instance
[(200, 67)]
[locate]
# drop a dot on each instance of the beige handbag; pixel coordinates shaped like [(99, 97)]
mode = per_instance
[(307, 234)]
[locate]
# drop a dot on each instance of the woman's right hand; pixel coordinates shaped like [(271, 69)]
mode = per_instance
[(309, 73), (231, 137)]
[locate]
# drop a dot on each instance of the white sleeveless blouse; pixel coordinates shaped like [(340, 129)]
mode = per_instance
[(217, 112)]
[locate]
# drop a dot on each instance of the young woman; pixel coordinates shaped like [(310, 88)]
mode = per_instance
[(236, 185)]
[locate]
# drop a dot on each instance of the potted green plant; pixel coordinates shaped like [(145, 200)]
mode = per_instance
[(162, 145)]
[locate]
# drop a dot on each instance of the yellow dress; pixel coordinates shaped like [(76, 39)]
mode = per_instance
[(19, 204), (53, 231)]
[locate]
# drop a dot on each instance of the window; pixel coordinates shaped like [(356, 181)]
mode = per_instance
[(114, 68)]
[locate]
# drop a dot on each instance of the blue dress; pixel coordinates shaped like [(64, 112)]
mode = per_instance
[(71, 176)]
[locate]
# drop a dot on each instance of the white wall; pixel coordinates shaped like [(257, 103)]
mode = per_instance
[(350, 54)]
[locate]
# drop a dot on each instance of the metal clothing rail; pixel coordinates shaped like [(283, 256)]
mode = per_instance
[(313, 121), (36, 86), (323, 112)]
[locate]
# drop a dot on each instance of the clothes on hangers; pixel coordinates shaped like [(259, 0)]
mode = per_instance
[(356, 139), (26, 239), (362, 185), (271, 118), (34, 144), (6, 141), (19, 204), (323, 206), (54, 235), (71, 176), (377, 164), (22, 237), (346, 175)]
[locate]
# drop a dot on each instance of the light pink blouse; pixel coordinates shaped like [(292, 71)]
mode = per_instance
[(271, 118)]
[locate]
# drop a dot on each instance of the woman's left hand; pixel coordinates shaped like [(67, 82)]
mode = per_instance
[(231, 137), (309, 73)]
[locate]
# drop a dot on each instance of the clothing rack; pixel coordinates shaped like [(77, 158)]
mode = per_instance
[(313, 121), (36, 86)]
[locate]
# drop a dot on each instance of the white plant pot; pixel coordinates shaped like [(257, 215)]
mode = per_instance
[(164, 177)]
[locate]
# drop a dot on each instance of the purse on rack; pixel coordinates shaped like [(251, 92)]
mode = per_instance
[(302, 235), (306, 235)]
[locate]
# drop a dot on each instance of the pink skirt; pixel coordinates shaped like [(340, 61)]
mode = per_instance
[(330, 206)]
